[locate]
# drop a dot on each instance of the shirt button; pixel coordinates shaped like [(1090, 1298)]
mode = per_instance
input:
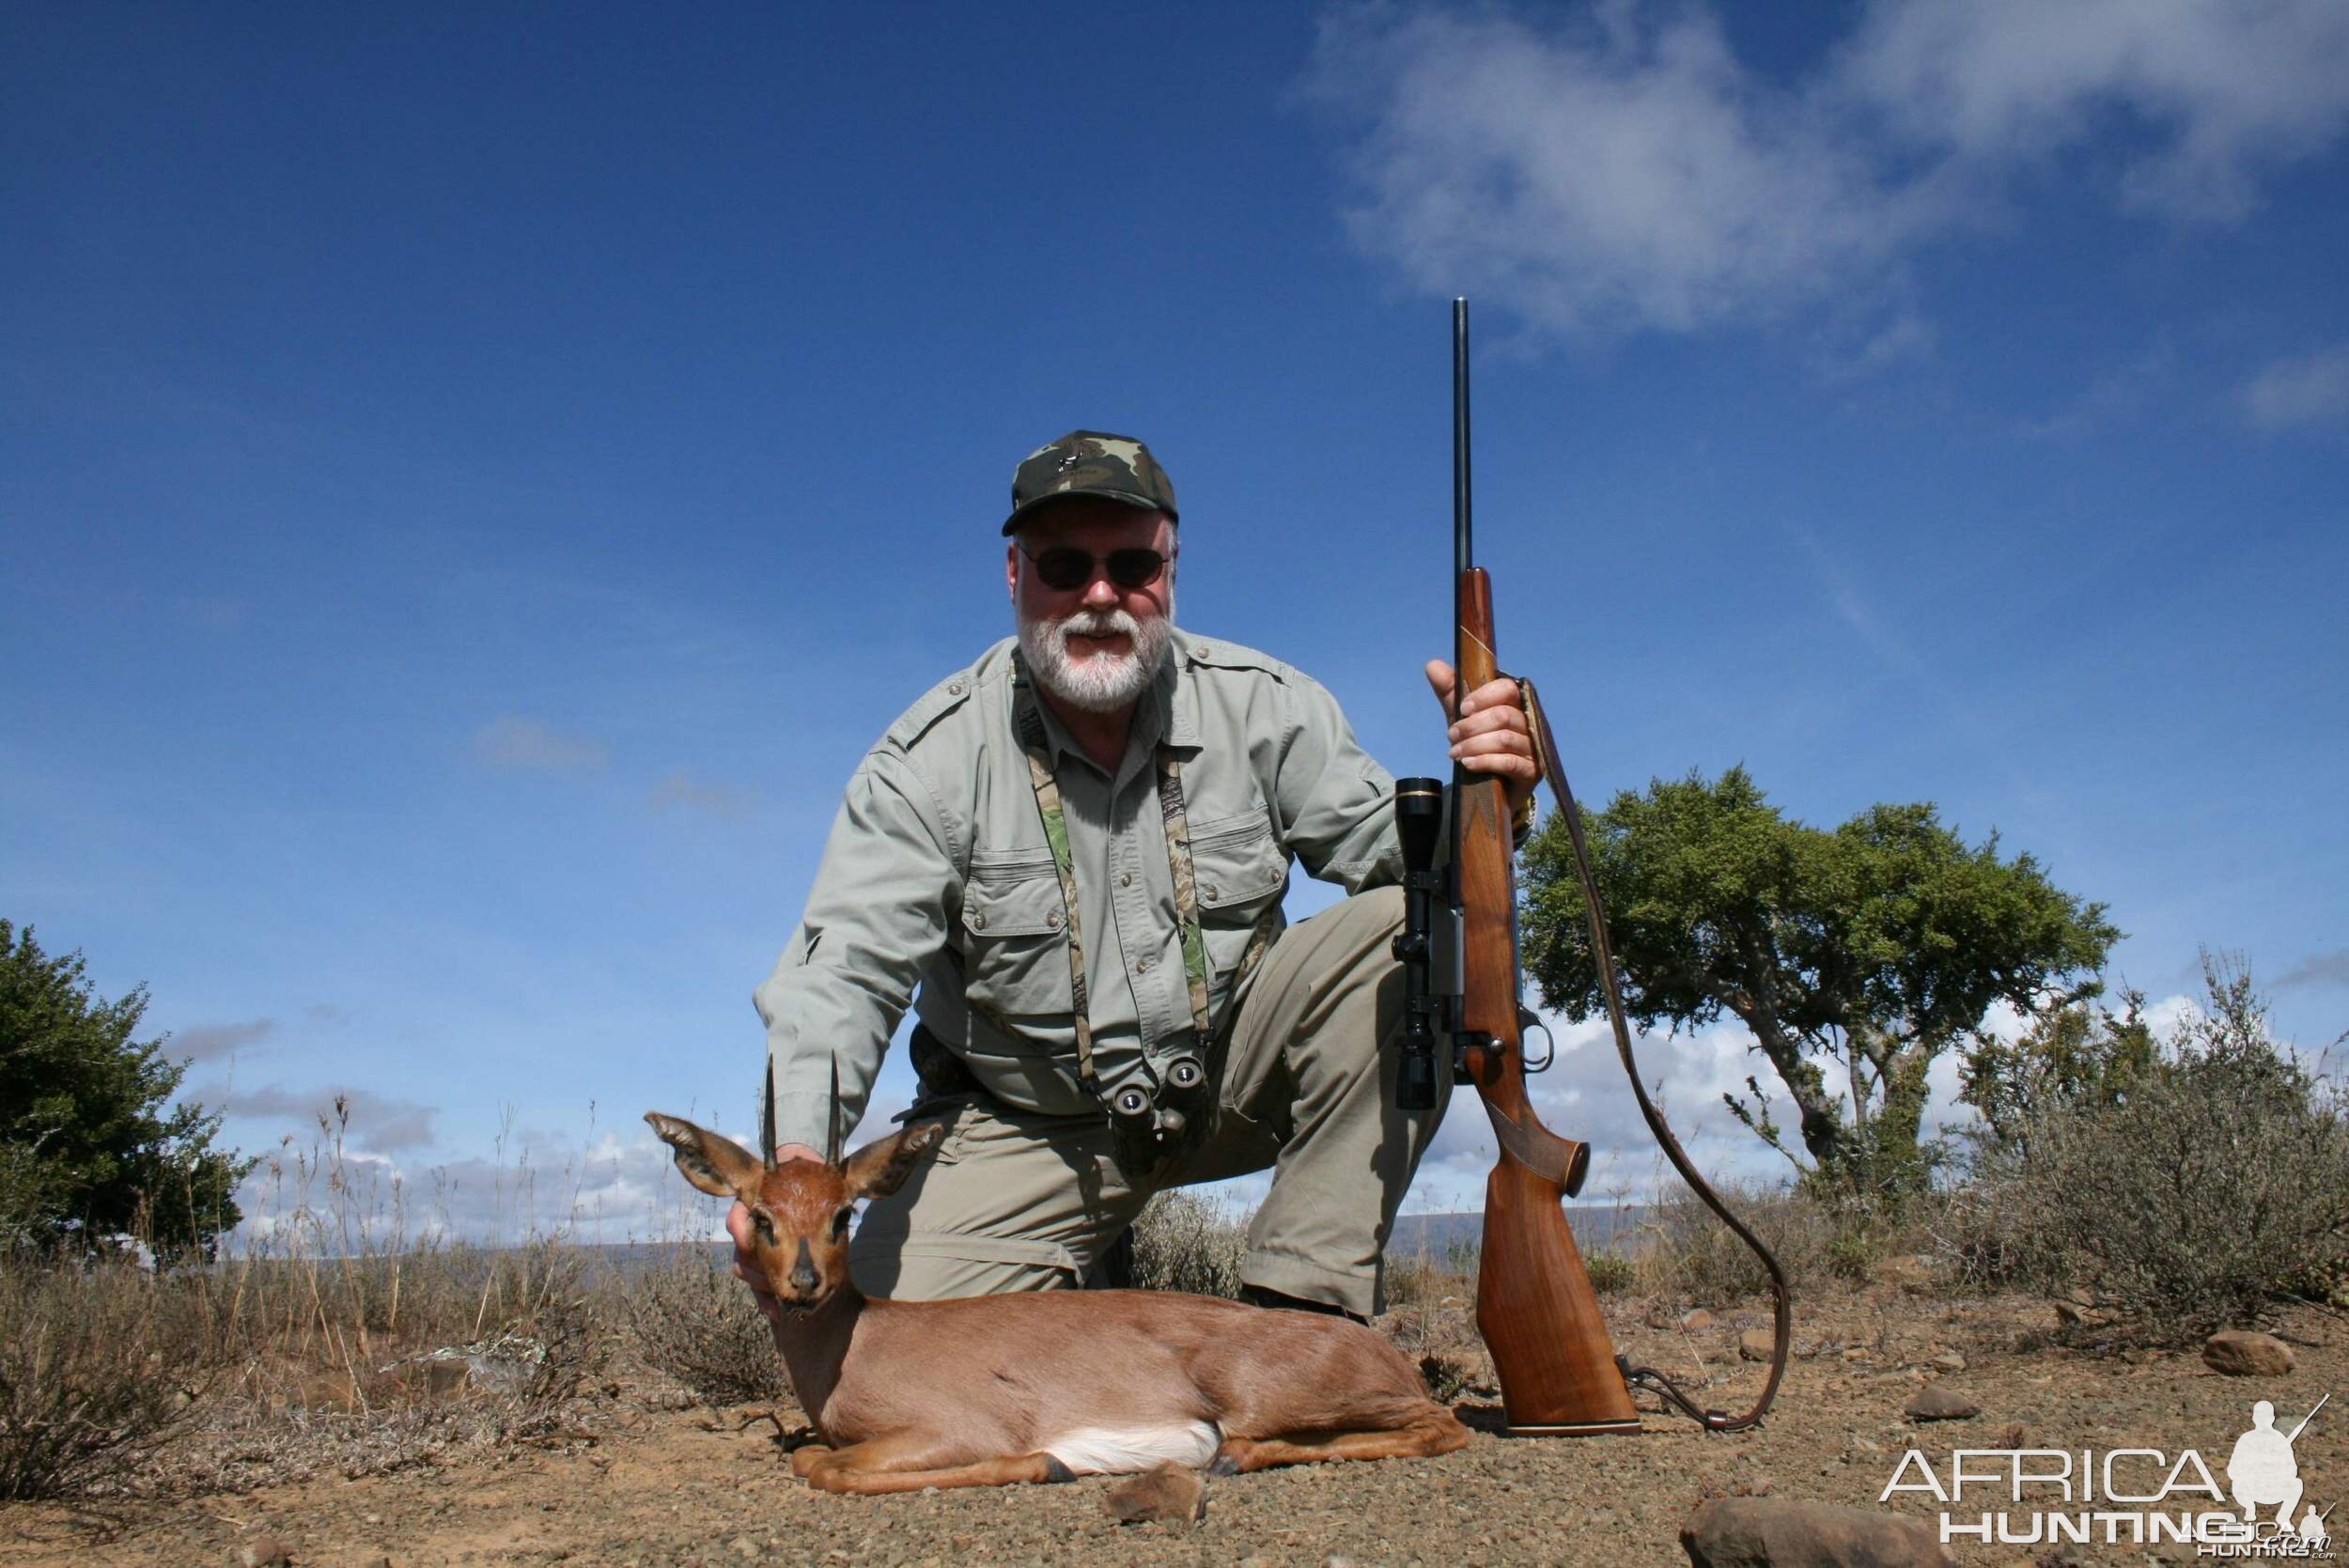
[(1209, 893), (1125, 879), (1052, 920), (978, 922), (1141, 966), (954, 688)]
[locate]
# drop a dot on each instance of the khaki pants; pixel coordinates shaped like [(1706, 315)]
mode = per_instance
[(1015, 1201)]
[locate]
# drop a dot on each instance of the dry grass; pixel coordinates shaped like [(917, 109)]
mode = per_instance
[(690, 1320), (1188, 1242), (334, 1339)]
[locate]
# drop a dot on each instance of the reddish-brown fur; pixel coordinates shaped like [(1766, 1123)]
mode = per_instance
[(908, 1395)]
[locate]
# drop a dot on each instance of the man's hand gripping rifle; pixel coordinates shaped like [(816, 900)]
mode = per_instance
[(1535, 1305)]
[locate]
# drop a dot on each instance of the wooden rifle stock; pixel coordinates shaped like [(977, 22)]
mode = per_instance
[(1534, 1304)]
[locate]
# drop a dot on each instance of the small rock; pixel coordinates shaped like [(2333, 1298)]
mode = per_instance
[(2069, 1316), (264, 1551), (1696, 1319), (1756, 1344), (2240, 1353), (1938, 1403), (447, 1378), (1949, 1360), (1857, 1353), (1772, 1532), (743, 1546), (2079, 1295), (1166, 1494)]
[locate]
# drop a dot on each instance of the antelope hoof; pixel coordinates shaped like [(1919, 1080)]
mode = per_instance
[(1055, 1472)]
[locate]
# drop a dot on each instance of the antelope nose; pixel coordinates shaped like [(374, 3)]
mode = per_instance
[(803, 1279)]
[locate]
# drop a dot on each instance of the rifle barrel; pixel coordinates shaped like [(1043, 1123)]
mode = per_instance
[(1462, 558)]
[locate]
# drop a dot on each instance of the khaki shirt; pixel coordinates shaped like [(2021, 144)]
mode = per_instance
[(938, 890)]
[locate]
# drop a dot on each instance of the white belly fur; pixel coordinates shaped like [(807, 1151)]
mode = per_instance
[(1125, 1450)]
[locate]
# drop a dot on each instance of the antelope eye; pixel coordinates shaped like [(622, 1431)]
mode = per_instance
[(840, 1221), (763, 1226)]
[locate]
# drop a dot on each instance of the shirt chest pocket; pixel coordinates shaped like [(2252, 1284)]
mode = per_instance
[(1238, 867), (1015, 939)]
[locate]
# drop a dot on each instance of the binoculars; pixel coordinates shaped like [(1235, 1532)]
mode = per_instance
[(1149, 1126)]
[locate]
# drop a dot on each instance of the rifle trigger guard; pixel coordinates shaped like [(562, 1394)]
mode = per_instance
[(1529, 1020)]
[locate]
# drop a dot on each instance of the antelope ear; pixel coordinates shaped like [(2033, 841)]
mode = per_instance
[(719, 1166), (879, 1169)]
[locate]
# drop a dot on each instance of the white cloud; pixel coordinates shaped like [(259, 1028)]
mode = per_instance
[(711, 800), (208, 1042), (2305, 389), (378, 1123), (1626, 170), (527, 745), (2211, 90), (2319, 968)]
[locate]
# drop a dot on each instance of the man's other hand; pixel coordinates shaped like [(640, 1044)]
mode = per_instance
[(1490, 735), (739, 1226)]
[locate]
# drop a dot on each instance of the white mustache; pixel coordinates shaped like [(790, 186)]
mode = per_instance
[(1104, 623)]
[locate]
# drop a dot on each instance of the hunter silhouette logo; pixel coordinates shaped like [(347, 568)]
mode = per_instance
[(2262, 1470), (2131, 1495)]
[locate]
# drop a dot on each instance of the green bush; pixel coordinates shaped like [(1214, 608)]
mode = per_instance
[(2208, 1190)]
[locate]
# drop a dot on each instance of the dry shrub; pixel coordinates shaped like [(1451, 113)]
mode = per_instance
[(1611, 1273), (2214, 1189), (694, 1322), (1687, 1252), (94, 1375), (1190, 1243)]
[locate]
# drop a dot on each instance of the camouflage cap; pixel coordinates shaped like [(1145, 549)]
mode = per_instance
[(1090, 462)]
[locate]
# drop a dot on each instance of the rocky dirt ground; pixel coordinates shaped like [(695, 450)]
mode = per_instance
[(638, 1484)]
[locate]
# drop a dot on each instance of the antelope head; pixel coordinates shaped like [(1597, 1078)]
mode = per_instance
[(800, 1209)]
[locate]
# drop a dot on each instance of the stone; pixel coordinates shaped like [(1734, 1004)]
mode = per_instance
[(1949, 1360), (1756, 1344), (1938, 1402), (2069, 1316), (1696, 1320), (2241, 1353), (1168, 1495), (264, 1551), (1774, 1532)]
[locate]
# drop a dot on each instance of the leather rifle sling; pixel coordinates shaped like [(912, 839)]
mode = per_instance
[(1603, 959)]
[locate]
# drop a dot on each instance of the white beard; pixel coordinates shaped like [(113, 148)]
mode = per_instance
[(1102, 682)]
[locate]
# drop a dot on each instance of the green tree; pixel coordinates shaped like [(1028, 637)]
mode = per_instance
[(2074, 1056), (86, 1145), (1878, 946)]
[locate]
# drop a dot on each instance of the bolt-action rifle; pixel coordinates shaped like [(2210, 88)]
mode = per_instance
[(1535, 1305)]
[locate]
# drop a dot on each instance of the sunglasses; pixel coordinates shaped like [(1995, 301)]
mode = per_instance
[(1064, 566)]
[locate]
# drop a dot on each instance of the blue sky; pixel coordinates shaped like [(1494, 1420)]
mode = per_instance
[(472, 481)]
